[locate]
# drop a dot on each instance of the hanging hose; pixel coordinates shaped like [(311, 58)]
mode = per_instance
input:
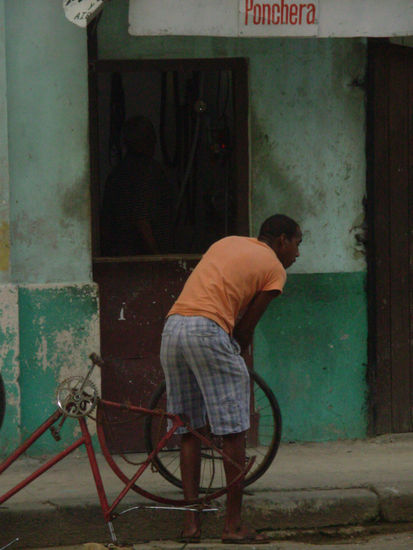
[(200, 108), (173, 162), (117, 118)]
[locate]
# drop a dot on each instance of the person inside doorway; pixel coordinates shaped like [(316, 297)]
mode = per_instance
[(137, 199), (206, 333)]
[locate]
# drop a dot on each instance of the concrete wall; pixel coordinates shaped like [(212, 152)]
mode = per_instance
[(49, 308), (48, 144), (307, 136), (4, 160)]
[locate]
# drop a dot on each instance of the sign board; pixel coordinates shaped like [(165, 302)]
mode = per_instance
[(269, 18), (80, 12), (176, 17)]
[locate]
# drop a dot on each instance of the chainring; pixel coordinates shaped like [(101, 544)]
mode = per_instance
[(73, 399)]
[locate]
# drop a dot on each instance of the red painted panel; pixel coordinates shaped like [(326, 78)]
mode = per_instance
[(135, 296)]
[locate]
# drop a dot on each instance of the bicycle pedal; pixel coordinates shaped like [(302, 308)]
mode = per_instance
[(55, 433)]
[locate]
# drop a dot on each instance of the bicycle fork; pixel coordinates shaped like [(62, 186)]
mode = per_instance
[(84, 440)]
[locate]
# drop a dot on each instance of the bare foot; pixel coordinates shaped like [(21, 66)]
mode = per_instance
[(243, 535)]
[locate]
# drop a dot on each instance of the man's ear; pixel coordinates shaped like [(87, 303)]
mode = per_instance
[(283, 239)]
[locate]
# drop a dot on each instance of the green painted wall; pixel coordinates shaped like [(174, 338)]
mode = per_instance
[(47, 333), (307, 135), (9, 366), (310, 347), (58, 331), (46, 60), (9, 333), (307, 159), (49, 321), (307, 128), (4, 160)]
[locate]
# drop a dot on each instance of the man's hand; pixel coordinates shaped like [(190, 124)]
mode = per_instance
[(244, 329), (243, 338)]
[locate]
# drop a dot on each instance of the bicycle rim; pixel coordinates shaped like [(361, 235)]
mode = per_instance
[(123, 466), (263, 439)]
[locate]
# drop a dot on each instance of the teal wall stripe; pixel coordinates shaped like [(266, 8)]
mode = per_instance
[(57, 333), (311, 347)]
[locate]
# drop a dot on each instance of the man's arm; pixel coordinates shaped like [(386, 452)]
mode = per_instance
[(244, 329)]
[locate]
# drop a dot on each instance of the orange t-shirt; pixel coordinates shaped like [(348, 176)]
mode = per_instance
[(231, 272)]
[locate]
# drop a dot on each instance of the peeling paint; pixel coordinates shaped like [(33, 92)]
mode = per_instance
[(320, 383), (182, 264), (9, 366), (59, 328)]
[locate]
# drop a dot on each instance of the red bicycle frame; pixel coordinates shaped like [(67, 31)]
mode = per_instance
[(85, 439)]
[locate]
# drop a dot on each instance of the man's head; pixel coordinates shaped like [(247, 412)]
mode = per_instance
[(139, 136), (284, 236)]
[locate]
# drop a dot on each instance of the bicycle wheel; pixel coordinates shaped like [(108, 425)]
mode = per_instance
[(2, 400), (109, 429), (263, 439)]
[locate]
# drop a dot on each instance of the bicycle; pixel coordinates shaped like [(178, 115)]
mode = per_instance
[(77, 398)]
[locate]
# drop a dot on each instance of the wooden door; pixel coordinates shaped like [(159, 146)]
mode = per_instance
[(136, 292), (390, 150)]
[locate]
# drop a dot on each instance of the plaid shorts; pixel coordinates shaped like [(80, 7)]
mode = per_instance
[(206, 377)]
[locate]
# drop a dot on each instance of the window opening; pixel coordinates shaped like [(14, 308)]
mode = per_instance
[(184, 194)]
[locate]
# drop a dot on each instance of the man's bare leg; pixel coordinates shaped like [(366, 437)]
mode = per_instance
[(190, 471), (234, 448)]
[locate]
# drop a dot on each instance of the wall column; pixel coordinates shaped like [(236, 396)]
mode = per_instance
[(9, 332)]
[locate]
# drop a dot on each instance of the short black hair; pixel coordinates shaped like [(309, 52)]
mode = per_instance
[(278, 224)]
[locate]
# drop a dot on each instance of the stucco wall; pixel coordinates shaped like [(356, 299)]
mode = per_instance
[(59, 328), (49, 308), (307, 133), (307, 160), (311, 348), (48, 144), (307, 144), (4, 160)]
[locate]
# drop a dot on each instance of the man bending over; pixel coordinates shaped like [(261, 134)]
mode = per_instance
[(207, 330)]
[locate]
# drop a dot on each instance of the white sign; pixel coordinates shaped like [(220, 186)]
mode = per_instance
[(366, 18), (80, 12), (177, 17), (266, 18)]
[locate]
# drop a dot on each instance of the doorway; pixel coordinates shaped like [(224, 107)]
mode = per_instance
[(199, 111), (390, 153)]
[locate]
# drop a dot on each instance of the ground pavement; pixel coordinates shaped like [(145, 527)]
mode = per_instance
[(309, 486)]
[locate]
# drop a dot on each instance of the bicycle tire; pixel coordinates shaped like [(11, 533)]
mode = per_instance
[(2, 400), (263, 403), (126, 476)]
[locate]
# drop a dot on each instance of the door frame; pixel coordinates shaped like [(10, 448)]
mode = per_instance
[(388, 307)]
